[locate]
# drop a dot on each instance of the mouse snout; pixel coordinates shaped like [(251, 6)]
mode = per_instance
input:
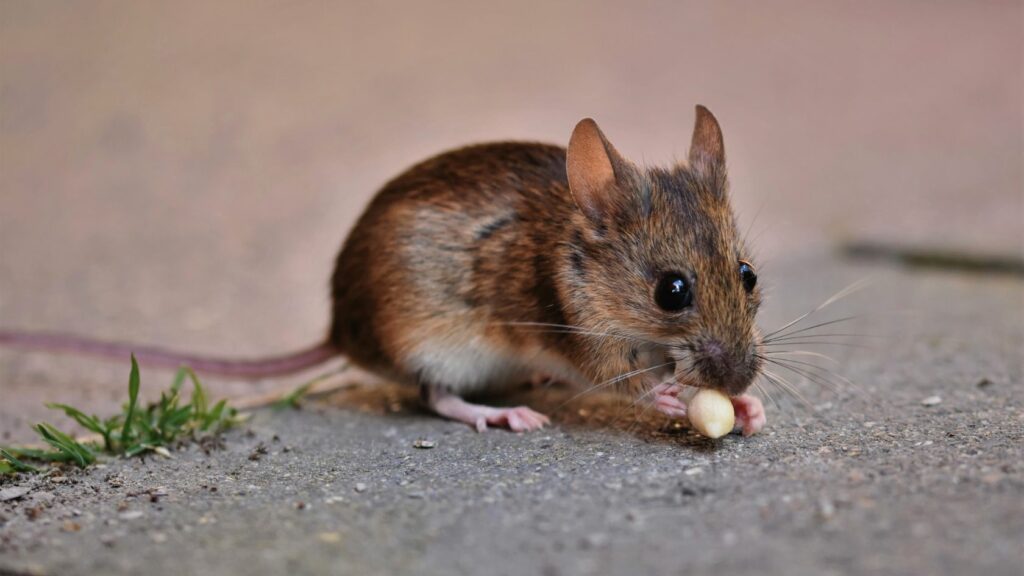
[(728, 368)]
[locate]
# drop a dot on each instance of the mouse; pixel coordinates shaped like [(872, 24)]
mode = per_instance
[(498, 264)]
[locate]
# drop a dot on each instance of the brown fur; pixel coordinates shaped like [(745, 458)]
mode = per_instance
[(452, 256)]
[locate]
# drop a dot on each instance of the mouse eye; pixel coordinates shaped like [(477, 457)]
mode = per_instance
[(747, 276), (673, 292)]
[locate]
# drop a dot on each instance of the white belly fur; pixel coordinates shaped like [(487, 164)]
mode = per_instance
[(478, 366)]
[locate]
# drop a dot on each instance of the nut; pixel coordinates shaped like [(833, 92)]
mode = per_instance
[(711, 413)]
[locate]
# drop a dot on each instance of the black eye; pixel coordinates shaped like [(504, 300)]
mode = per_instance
[(747, 276), (673, 293)]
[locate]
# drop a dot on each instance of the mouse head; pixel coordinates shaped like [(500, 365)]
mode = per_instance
[(655, 257)]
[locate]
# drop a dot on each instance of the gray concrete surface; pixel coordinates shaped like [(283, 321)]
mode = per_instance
[(183, 175)]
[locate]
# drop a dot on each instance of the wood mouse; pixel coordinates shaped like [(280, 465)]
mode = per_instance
[(496, 264)]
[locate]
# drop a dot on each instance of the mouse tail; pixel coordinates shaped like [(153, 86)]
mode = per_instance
[(156, 357)]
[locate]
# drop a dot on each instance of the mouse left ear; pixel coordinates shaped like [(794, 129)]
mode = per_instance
[(707, 146), (590, 164)]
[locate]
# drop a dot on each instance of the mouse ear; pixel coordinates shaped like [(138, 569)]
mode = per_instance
[(590, 164), (706, 146)]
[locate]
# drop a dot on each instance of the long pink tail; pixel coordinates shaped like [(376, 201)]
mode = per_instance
[(151, 356)]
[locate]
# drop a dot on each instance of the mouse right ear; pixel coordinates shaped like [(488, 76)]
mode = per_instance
[(590, 164)]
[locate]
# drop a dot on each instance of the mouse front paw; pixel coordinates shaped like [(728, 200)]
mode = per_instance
[(666, 400), (750, 416)]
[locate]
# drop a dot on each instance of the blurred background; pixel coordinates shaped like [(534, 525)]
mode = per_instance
[(183, 173)]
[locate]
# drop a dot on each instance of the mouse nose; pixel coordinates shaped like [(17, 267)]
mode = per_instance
[(722, 367), (713, 350)]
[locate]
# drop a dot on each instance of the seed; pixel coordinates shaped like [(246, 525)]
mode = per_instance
[(711, 413)]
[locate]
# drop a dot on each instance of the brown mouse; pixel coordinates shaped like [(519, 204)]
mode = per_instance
[(496, 264)]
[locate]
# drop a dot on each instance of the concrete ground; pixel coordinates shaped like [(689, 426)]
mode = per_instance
[(182, 175)]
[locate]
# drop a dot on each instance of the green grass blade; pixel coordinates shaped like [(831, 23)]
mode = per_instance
[(80, 454), (90, 423), (291, 400), (40, 455), (199, 401), (214, 417), (133, 398), (179, 379), (14, 464)]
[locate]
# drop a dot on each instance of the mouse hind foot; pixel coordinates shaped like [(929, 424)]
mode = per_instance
[(452, 406)]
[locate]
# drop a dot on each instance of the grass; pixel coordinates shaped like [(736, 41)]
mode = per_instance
[(294, 398), (136, 430)]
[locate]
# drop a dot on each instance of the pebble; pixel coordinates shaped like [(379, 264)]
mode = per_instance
[(360, 487), (329, 537), (130, 515), (931, 401), (424, 444), (13, 493), (592, 541)]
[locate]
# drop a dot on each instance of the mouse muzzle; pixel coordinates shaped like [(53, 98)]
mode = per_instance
[(728, 368)]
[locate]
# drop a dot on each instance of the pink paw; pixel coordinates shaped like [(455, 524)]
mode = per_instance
[(518, 419), (666, 400), (750, 415)]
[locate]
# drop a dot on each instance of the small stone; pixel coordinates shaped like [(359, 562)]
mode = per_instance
[(693, 471), (360, 487), (130, 515), (984, 383), (826, 508), (159, 537), (592, 541), (932, 401), (13, 493), (329, 537), (424, 444), (70, 526)]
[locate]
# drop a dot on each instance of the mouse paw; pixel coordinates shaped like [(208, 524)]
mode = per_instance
[(666, 400), (518, 419), (449, 405), (750, 416)]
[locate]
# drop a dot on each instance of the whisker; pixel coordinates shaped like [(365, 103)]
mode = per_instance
[(822, 335), (614, 380), (814, 343), (570, 329), (818, 325), (820, 370), (808, 375), (764, 392), (801, 353), (832, 299), (786, 386)]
